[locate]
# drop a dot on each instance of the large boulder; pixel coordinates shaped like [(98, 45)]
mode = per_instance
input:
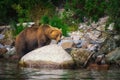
[(50, 56)]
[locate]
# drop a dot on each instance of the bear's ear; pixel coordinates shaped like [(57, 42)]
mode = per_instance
[(51, 31)]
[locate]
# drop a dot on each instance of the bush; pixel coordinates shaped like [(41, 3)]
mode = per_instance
[(113, 11), (44, 19), (7, 13), (16, 29), (90, 9), (56, 22)]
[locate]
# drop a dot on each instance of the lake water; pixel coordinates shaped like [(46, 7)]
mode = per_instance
[(10, 71)]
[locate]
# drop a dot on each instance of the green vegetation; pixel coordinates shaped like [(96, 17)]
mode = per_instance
[(16, 29), (86, 9), (7, 13), (75, 11), (56, 22), (113, 10), (91, 10)]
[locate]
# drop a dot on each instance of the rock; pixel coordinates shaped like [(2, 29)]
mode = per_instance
[(79, 43), (117, 37), (2, 51), (100, 59), (2, 36), (101, 28), (113, 56), (10, 52), (93, 47), (1, 46), (81, 56), (93, 34), (95, 66), (103, 20), (108, 45), (28, 24), (70, 43), (84, 44), (2, 28), (66, 44), (76, 35), (7, 40), (111, 26), (83, 26), (50, 56)]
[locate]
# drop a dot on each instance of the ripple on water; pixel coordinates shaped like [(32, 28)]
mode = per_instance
[(10, 71)]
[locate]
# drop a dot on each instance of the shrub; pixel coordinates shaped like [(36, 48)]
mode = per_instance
[(113, 11), (44, 19), (56, 22), (90, 9), (16, 29)]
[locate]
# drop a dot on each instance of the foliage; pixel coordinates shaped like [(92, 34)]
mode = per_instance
[(76, 11), (89, 9), (73, 28), (44, 19), (16, 28), (33, 9), (113, 10), (23, 14), (56, 22), (24, 10), (7, 13)]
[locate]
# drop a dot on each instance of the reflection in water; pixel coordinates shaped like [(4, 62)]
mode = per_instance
[(10, 71)]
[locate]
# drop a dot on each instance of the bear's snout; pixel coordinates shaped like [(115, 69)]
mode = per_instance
[(58, 41)]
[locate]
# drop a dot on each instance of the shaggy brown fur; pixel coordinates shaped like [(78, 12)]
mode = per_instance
[(34, 37)]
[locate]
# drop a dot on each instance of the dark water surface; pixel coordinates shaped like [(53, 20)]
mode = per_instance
[(10, 71)]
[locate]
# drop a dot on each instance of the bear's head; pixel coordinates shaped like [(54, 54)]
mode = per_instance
[(55, 34)]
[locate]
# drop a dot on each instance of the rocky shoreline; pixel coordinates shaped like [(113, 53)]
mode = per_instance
[(90, 46)]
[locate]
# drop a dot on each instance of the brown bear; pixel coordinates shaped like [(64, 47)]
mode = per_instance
[(34, 37)]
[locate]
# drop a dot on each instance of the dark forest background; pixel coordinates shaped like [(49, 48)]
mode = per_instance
[(61, 13)]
